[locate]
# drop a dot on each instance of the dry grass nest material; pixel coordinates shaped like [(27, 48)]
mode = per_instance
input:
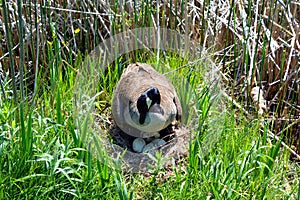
[(177, 146)]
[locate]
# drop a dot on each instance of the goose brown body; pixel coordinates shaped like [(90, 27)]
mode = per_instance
[(135, 81)]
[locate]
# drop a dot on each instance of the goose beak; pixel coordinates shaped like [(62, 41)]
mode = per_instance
[(148, 101)]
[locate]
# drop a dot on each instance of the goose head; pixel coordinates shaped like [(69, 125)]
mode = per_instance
[(150, 98), (146, 114)]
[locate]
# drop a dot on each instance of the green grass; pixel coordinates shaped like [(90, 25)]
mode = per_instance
[(42, 156), (46, 144)]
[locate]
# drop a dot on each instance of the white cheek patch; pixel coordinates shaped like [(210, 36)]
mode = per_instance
[(148, 102)]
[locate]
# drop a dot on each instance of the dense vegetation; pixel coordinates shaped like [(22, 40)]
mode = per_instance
[(239, 90)]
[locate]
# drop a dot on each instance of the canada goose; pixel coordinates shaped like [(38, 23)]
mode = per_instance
[(145, 102)]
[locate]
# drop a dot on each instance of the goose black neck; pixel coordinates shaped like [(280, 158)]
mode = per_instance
[(153, 94)]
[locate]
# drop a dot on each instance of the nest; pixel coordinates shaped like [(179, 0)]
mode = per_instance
[(177, 146)]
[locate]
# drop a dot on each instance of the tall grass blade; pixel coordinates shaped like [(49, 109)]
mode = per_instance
[(29, 134), (58, 105), (122, 189), (37, 47), (23, 128), (21, 33), (26, 131), (9, 46)]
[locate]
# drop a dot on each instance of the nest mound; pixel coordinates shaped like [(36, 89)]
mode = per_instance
[(177, 146)]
